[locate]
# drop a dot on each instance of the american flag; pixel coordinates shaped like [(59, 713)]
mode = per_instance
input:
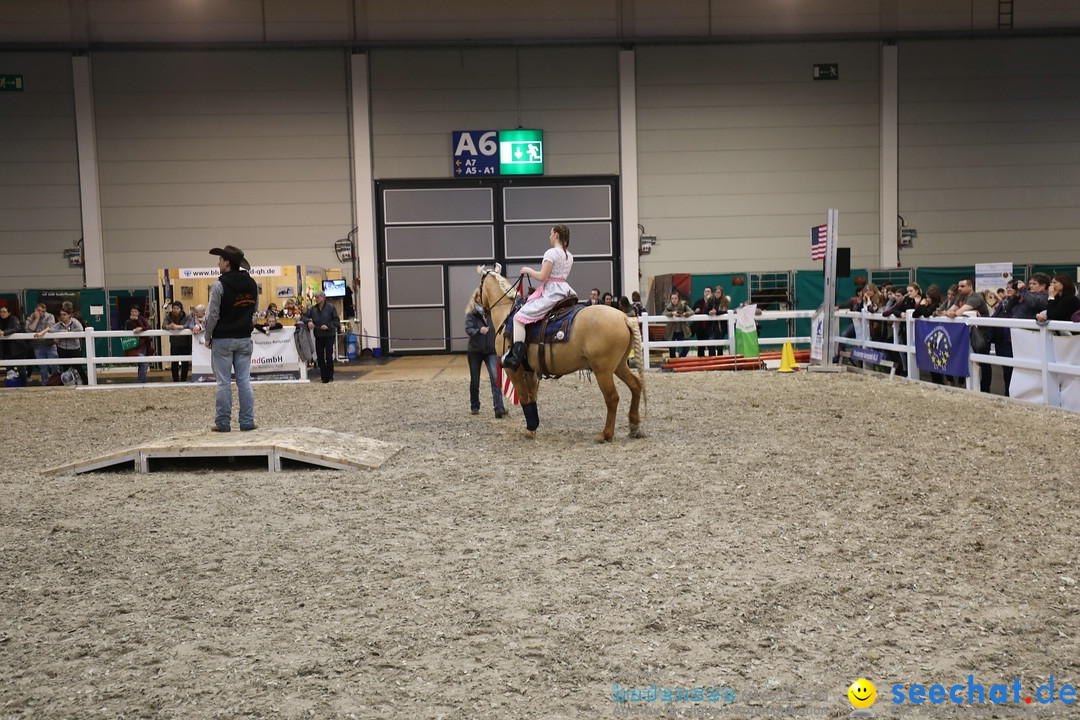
[(508, 391), (817, 242)]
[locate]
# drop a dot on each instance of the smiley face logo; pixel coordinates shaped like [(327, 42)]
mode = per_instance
[(862, 693)]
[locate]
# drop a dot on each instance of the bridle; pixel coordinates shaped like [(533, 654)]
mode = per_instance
[(506, 294)]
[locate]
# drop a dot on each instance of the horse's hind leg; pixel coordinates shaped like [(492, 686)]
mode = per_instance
[(634, 383), (606, 383)]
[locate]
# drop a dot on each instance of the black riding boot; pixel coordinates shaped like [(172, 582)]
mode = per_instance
[(515, 357)]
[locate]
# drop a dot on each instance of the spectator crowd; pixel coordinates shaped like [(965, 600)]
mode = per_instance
[(1042, 298)]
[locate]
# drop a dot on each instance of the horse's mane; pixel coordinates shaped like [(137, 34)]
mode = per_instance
[(509, 290)]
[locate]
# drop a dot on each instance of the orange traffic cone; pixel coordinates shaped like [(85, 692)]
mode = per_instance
[(787, 359)]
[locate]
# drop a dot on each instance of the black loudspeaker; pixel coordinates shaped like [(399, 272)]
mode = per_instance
[(843, 262)]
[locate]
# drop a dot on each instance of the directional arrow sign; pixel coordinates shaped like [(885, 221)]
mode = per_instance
[(475, 152)]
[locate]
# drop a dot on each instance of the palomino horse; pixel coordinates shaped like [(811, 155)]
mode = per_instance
[(601, 340)]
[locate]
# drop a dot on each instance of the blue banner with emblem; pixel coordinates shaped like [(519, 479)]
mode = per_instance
[(942, 347)]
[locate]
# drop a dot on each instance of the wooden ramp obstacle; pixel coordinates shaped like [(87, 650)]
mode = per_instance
[(312, 446)]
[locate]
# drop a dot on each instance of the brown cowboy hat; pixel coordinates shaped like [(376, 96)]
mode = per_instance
[(234, 255)]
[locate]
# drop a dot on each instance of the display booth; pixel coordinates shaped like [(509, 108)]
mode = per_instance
[(274, 357), (283, 285)]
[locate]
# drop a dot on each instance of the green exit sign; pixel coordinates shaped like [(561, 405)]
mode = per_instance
[(11, 83), (827, 71), (521, 152)]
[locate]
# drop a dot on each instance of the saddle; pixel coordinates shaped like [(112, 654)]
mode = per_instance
[(552, 328)]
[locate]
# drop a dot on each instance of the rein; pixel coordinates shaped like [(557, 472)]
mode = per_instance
[(506, 294)]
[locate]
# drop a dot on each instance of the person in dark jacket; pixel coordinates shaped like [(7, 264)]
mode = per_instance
[(482, 352), (229, 323), (322, 319), (136, 323), (1032, 297), (12, 349), (1003, 336), (177, 321), (1062, 301)]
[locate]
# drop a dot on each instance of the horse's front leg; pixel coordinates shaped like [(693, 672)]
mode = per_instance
[(527, 389), (606, 382)]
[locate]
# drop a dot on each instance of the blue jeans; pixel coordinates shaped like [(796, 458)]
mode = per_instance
[(143, 367), (229, 356), (475, 361), (683, 350), (46, 352)]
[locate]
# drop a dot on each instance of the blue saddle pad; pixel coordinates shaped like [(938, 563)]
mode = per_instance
[(558, 331)]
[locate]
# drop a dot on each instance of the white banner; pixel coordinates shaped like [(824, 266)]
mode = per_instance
[(256, 271), (1027, 384), (1067, 352), (991, 276), (273, 357), (817, 334)]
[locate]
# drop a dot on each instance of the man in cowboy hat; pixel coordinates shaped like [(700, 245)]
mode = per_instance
[(233, 300)]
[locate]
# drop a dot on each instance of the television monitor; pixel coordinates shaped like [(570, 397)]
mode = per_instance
[(333, 288)]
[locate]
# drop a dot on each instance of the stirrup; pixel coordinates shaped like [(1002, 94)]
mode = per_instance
[(514, 356)]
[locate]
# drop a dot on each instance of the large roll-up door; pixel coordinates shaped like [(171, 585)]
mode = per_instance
[(432, 234)]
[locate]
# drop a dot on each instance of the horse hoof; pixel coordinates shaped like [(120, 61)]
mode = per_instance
[(636, 432), (602, 438), (528, 434)]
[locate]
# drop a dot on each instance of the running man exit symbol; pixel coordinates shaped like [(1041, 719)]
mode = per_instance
[(11, 83), (827, 71)]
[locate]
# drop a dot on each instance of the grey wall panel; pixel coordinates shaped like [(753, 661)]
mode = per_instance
[(453, 242), (391, 21), (532, 241), (718, 184), (198, 147), (729, 206), (416, 329), (285, 192), (989, 158), (740, 17), (558, 203), (39, 173), (672, 18), (419, 97), (740, 152), (463, 282), (219, 148), (39, 21), (436, 19), (438, 205), (414, 285), (224, 171)]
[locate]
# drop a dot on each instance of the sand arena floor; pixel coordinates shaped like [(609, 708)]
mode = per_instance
[(773, 532)]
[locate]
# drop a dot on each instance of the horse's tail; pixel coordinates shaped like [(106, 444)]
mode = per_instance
[(635, 332)]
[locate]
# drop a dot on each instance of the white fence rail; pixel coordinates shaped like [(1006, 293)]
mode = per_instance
[(1048, 366), (901, 344), (727, 344), (93, 361)]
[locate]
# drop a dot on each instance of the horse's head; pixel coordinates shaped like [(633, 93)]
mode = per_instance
[(494, 288)]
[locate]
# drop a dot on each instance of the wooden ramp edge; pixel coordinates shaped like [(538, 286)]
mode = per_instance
[(308, 445)]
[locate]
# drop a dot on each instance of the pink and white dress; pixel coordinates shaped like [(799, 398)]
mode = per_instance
[(552, 290)]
